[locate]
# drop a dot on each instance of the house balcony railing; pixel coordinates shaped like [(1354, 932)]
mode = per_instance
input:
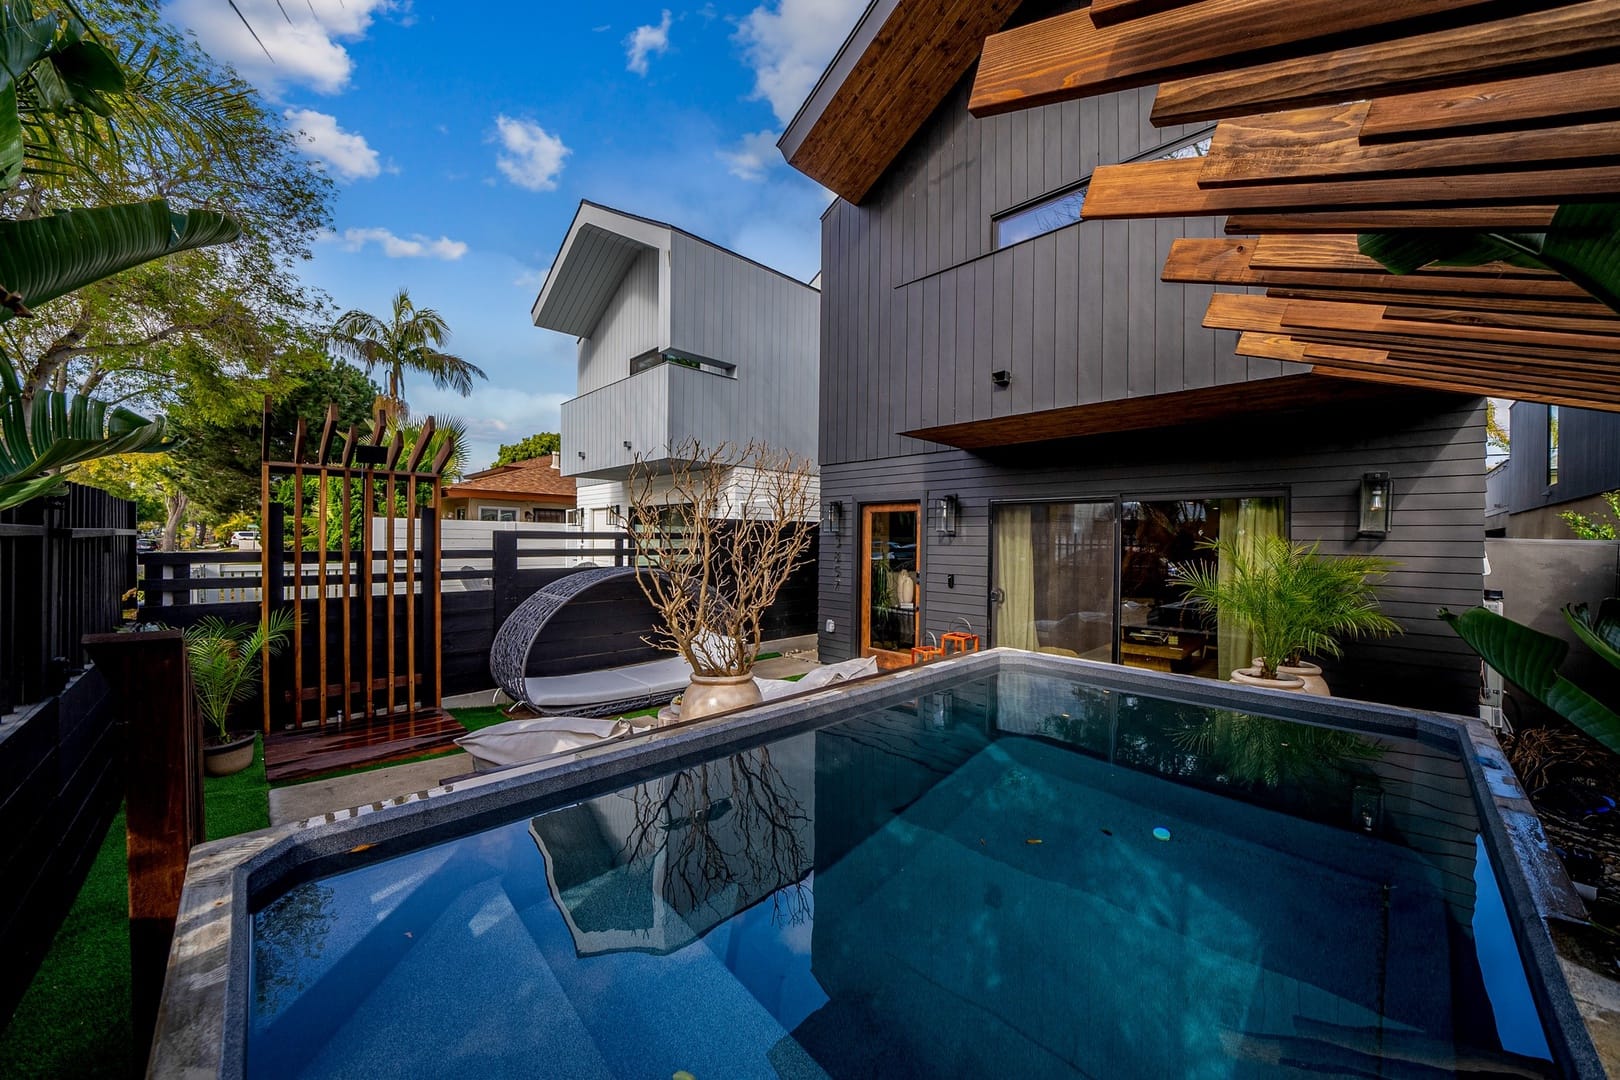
[(605, 430)]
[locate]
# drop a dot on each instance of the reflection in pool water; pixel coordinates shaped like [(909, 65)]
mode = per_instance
[(968, 884)]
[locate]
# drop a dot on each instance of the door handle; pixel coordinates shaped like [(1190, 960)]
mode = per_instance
[(997, 596)]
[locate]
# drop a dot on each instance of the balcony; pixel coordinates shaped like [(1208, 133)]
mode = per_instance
[(664, 406)]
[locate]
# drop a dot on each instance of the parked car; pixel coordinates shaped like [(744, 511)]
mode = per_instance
[(245, 538), (144, 544)]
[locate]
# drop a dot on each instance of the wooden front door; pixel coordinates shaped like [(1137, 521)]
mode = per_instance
[(891, 581)]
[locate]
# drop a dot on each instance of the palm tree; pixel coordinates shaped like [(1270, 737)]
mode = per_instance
[(409, 341)]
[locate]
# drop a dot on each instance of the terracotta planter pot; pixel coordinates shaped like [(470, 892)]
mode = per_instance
[(709, 694), (1251, 677), (224, 759), (1308, 673)]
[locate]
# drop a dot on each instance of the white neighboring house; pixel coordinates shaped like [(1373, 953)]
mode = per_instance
[(679, 339)]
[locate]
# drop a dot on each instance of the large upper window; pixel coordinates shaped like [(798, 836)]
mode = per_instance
[(1052, 212)]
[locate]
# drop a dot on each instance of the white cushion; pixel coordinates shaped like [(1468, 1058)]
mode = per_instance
[(519, 741), (825, 675), (552, 692)]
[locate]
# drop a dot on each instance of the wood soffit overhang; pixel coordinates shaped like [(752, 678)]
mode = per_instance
[(909, 63), (1339, 117), (1268, 397)]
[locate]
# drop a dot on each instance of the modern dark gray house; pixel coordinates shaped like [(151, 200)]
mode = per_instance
[(1023, 433), (1562, 460)]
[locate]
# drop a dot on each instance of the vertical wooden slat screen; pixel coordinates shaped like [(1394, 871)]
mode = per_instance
[(411, 665)]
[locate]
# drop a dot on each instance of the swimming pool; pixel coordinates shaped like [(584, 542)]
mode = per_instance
[(1024, 869)]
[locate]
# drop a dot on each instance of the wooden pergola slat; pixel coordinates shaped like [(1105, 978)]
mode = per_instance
[(1325, 143), (1360, 221), (1557, 98), (1109, 12), (1482, 387), (1343, 253), (1491, 303), (1153, 189), (1575, 33), (1068, 56)]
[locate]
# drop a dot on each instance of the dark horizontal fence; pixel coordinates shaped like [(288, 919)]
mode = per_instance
[(481, 586), (65, 564)]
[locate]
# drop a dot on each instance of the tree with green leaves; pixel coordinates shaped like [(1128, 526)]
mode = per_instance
[(57, 87), (537, 445), (410, 339), (188, 131)]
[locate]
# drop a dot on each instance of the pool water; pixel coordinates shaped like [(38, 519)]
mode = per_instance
[(1023, 876)]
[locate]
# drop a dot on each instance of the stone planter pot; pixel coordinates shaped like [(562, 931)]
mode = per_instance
[(1308, 673), (223, 759), (709, 694), (1251, 677)]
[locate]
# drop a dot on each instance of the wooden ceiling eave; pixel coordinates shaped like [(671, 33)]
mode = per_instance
[(909, 66)]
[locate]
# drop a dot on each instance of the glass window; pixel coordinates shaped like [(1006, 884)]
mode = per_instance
[(1159, 628), (1063, 208), (1057, 588), (1552, 445), (893, 601), (495, 513), (549, 514), (1053, 578)]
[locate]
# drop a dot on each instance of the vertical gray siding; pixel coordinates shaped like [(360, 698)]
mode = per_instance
[(1431, 445), (1588, 456), (630, 326), (1077, 315)]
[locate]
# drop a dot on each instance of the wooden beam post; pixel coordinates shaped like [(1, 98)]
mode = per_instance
[(151, 683)]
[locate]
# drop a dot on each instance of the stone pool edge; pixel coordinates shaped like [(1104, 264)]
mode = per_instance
[(202, 1016)]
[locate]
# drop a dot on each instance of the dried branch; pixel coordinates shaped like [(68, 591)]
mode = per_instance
[(715, 533)]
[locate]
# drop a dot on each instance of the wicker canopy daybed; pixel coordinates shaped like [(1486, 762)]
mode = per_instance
[(601, 692)]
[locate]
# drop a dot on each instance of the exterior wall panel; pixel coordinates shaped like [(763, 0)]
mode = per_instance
[(1588, 456), (630, 326)]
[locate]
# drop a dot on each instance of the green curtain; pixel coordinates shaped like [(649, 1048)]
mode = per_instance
[(1247, 521), (1015, 577)]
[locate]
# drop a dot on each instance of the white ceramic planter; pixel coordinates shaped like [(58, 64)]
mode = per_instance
[(709, 694)]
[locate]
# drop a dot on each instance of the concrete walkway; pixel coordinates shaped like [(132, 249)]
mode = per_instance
[(317, 797)]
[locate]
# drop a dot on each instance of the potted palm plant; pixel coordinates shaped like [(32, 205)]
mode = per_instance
[(225, 660), (1293, 601)]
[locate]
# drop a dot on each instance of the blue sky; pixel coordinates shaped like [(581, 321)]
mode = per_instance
[(462, 137)]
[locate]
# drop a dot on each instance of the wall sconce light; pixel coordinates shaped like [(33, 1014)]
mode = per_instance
[(1001, 377), (947, 509), (627, 444), (832, 519), (1376, 496), (582, 455)]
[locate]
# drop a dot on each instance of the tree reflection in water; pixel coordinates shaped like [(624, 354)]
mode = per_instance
[(292, 930), (1266, 752), (726, 832)]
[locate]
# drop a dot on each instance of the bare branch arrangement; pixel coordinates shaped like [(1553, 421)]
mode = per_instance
[(715, 533)]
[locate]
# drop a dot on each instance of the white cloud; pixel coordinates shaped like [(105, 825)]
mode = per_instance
[(752, 156), (788, 43), (346, 153), (305, 43), (530, 279), (644, 41), (533, 158), (416, 246)]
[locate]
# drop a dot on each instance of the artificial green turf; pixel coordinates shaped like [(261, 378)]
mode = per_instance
[(74, 1019)]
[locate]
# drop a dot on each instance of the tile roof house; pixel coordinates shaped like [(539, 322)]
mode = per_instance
[(531, 490)]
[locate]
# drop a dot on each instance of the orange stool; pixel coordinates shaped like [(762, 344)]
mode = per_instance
[(963, 642), (922, 653)]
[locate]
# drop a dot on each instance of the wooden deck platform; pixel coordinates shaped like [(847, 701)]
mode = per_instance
[(294, 755)]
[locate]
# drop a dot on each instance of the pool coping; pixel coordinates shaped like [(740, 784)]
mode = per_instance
[(202, 1016)]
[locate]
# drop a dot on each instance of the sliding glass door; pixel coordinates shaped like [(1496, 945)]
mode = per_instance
[(1098, 579), (891, 601), (1052, 578)]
